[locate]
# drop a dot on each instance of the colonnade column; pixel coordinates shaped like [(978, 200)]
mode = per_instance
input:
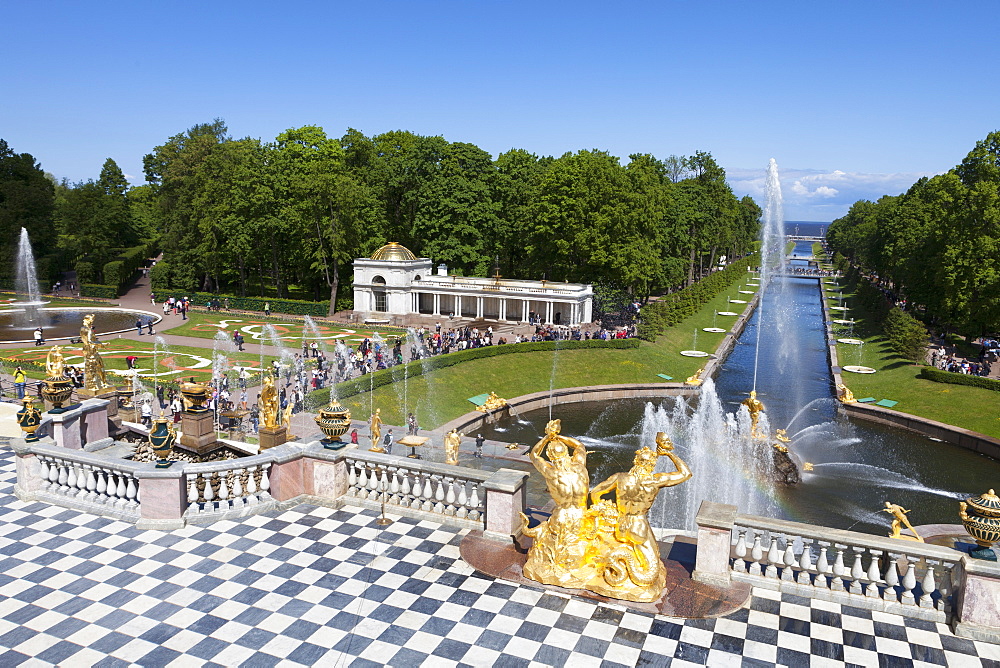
[(548, 313), (458, 306), (479, 308), (524, 310), (502, 311), (437, 304)]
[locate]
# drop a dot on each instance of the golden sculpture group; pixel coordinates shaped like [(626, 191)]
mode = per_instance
[(95, 379), (609, 547), (755, 408), (899, 519), (492, 403), (268, 402)]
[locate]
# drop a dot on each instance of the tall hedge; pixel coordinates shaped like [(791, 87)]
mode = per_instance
[(349, 388), (102, 291), (666, 312), (287, 306)]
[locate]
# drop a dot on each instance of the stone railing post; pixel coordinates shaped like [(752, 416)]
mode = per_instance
[(506, 499), (287, 475), (29, 477), (162, 498), (715, 529), (977, 600)]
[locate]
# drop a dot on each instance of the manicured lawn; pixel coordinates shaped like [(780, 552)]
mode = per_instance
[(896, 379), (180, 362), (204, 325), (443, 395)]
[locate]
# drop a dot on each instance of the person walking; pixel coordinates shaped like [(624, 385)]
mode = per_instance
[(387, 442), (479, 445), (354, 436), (20, 382), (138, 325), (39, 338), (149, 327), (176, 407), (267, 308), (147, 414)]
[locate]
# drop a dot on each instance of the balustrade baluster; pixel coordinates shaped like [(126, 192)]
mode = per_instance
[(788, 561), (839, 570), (463, 499), (474, 503), (404, 487), (265, 482), (873, 575), (131, 492), (756, 554), (929, 587), (909, 582), (192, 488), (91, 485), (352, 476), (740, 552), (944, 588), (209, 493), (805, 563), (857, 571), (394, 484), (773, 558), (71, 481), (891, 579)]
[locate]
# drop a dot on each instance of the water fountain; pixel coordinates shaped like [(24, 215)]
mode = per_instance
[(29, 310)]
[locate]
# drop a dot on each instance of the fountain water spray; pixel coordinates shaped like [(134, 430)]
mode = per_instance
[(26, 281)]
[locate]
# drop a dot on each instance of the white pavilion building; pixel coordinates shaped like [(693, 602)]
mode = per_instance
[(395, 282)]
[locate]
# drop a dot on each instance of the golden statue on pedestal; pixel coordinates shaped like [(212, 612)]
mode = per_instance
[(452, 440), (375, 429), (268, 402), (755, 407), (899, 518), (54, 363), (93, 366), (845, 395), (608, 548)]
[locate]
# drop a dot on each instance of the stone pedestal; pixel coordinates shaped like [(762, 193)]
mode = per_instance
[(198, 432), (110, 394), (272, 436), (505, 500), (715, 529)]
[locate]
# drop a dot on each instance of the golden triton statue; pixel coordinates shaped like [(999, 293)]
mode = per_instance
[(631, 568), (268, 401), (899, 518), (93, 366), (845, 395), (493, 402), (610, 548), (558, 554), (452, 440), (755, 407), (696, 378)]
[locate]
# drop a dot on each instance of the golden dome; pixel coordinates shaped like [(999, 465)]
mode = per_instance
[(393, 251)]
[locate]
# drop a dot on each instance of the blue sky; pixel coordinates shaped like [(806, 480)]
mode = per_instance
[(853, 99)]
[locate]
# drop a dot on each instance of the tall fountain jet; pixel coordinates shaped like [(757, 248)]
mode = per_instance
[(26, 280)]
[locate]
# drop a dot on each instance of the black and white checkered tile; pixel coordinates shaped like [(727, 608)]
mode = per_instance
[(314, 586)]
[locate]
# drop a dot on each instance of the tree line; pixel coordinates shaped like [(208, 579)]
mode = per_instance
[(286, 218), (937, 245)]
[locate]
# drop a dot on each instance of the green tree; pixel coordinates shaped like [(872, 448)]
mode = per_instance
[(27, 199)]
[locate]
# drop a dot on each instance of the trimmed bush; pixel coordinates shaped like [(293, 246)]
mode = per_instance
[(102, 291), (939, 376), (84, 272), (371, 381), (656, 316), (288, 306), (114, 273)]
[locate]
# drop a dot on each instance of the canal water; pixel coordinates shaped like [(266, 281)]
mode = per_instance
[(857, 465)]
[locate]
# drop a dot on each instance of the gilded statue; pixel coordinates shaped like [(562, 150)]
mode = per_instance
[(845, 395), (558, 555), (286, 415), (93, 366), (452, 440), (54, 363), (630, 567), (375, 430), (755, 407), (696, 378), (268, 401), (493, 402), (899, 518)]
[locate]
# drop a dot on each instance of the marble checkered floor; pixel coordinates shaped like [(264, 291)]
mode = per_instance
[(315, 586)]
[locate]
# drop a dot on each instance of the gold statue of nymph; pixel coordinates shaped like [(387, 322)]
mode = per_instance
[(632, 569), (93, 366), (898, 513), (452, 441), (755, 407), (54, 363), (268, 402)]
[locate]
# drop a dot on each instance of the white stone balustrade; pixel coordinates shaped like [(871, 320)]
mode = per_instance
[(226, 489), (416, 488)]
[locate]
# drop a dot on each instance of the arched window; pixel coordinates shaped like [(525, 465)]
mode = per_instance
[(379, 293)]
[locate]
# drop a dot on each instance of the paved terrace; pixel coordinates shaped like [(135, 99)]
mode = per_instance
[(317, 586)]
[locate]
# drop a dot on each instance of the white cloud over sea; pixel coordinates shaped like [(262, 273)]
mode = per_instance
[(813, 194)]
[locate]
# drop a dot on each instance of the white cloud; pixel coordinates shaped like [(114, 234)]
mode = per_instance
[(821, 195)]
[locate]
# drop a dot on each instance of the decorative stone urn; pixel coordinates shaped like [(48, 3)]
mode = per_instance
[(28, 419), (334, 421), (56, 390), (161, 439), (981, 519), (196, 395)]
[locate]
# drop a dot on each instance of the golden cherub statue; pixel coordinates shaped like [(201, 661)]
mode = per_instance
[(269, 402), (54, 363), (899, 518), (93, 366), (755, 407), (452, 440), (845, 395)]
